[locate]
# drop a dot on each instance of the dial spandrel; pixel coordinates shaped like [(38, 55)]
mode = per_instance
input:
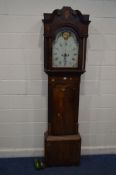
[(65, 50)]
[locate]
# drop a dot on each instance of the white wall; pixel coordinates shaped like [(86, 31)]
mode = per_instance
[(23, 84)]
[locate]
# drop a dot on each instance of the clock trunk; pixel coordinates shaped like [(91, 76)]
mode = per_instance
[(63, 101)]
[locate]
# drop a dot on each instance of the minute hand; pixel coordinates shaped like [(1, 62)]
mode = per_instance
[(65, 55)]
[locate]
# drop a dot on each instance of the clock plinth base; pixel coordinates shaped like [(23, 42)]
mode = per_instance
[(62, 150)]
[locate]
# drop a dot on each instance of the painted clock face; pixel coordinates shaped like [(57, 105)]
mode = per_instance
[(65, 50)]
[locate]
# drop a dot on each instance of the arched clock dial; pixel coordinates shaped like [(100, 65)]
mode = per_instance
[(65, 50)]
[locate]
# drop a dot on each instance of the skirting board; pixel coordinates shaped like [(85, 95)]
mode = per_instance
[(35, 152), (85, 150), (24, 152)]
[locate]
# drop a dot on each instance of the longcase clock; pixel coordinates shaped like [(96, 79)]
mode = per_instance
[(65, 36)]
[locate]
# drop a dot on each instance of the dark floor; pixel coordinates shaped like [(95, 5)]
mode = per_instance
[(90, 165)]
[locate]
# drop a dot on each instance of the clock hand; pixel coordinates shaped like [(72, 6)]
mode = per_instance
[(65, 55)]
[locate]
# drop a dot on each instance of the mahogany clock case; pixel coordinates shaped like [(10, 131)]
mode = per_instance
[(62, 140)]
